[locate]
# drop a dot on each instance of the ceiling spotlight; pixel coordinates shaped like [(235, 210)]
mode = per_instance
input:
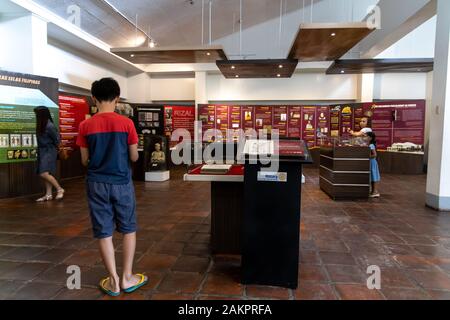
[(237, 76), (280, 66), (333, 34), (233, 67), (152, 44), (132, 55), (342, 71), (278, 75), (208, 53)]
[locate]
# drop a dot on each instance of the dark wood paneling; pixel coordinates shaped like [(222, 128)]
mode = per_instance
[(314, 42), (23, 179), (360, 66), (345, 165), (72, 167), (345, 178), (171, 55), (257, 68), (344, 192), (226, 217), (4, 180), (401, 163)]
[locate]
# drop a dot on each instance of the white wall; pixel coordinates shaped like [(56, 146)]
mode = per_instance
[(27, 50), (73, 69), (397, 86), (177, 89), (16, 52), (302, 86), (419, 43)]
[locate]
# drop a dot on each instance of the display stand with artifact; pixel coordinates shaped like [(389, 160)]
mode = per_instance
[(156, 156)]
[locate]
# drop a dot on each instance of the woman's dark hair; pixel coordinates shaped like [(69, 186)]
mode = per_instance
[(43, 115), (105, 90), (373, 138)]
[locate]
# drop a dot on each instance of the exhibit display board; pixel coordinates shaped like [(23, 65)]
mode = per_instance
[(19, 95), (393, 122), (178, 117), (72, 111)]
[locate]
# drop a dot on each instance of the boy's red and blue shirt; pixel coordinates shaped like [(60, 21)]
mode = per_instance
[(108, 136)]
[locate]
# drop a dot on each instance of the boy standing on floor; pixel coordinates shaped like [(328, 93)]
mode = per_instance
[(108, 142)]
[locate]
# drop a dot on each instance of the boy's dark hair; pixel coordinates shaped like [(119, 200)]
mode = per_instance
[(373, 138), (105, 90)]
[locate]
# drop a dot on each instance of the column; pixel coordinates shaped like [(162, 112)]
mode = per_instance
[(366, 83), (438, 181)]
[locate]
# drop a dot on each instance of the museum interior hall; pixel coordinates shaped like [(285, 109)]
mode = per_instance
[(251, 150)]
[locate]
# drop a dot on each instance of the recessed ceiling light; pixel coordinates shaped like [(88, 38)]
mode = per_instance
[(342, 71), (132, 55), (233, 67), (237, 76), (208, 53), (152, 44), (278, 75), (280, 66), (333, 34)]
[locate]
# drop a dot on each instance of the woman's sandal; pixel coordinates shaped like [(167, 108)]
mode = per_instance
[(45, 198), (60, 194)]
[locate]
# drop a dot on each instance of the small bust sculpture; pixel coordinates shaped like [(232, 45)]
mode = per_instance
[(158, 156)]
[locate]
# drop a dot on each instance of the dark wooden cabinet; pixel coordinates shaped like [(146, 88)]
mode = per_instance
[(345, 172)]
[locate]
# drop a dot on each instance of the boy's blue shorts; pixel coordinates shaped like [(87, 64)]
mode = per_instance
[(113, 207)]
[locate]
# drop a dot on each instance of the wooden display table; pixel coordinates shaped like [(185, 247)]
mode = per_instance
[(345, 172)]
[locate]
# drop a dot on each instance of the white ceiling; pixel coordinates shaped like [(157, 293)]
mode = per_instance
[(171, 22)]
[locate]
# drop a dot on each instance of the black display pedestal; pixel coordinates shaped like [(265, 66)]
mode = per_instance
[(271, 237), (271, 221)]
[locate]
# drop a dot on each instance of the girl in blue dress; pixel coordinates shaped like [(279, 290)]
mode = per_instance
[(375, 177), (48, 144)]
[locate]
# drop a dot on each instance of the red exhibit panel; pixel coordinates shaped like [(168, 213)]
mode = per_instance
[(335, 121), (234, 121), (179, 117), (248, 118), (222, 119), (280, 120), (263, 119), (384, 138), (295, 122), (309, 126), (346, 120), (323, 120), (358, 114), (207, 115), (72, 111)]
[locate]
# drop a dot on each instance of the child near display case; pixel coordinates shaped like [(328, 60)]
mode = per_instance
[(375, 177)]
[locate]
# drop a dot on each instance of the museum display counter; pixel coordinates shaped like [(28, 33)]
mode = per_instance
[(401, 162), (345, 171), (255, 212)]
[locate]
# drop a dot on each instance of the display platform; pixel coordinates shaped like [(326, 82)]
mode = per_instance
[(256, 213), (345, 172), (272, 211), (157, 176)]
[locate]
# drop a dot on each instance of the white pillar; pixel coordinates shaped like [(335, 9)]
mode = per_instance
[(438, 182), (428, 112), (201, 96), (366, 82)]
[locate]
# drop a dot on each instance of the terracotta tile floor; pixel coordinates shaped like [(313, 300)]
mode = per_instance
[(339, 240)]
